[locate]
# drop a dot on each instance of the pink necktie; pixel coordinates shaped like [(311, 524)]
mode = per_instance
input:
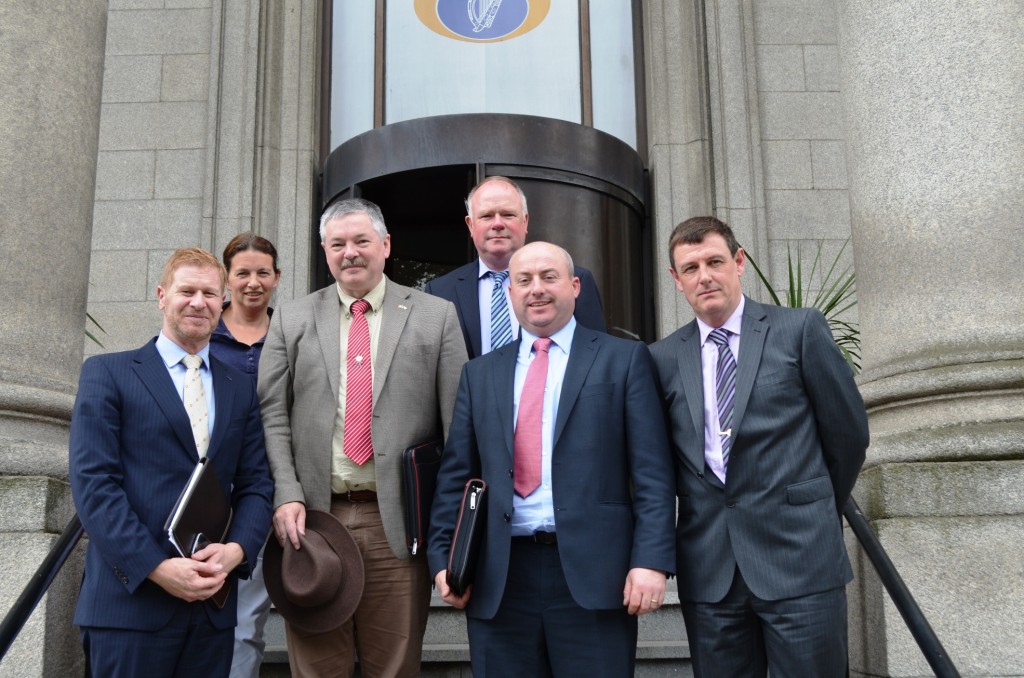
[(527, 440), (358, 387)]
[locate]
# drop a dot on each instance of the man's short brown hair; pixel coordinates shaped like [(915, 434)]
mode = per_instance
[(695, 229), (192, 256)]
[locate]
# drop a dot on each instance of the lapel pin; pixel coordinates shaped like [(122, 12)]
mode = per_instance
[(403, 307)]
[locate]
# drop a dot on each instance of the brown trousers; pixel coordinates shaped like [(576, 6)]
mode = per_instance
[(386, 631)]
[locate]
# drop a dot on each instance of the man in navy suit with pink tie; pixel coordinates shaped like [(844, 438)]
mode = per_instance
[(141, 422), (564, 426)]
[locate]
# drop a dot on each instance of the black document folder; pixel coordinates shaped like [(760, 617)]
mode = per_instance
[(201, 516), (420, 464), (469, 532)]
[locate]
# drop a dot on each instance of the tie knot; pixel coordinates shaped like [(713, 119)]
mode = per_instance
[(720, 336), (499, 278), (192, 362), (542, 344), (361, 306)]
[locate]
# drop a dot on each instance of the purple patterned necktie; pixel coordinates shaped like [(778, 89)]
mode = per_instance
[(725, 388)]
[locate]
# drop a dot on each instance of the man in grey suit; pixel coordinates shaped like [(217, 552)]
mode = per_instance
[(769, 433), (331, 448)]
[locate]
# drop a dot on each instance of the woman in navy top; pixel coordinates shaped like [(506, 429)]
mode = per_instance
[(253, 275)]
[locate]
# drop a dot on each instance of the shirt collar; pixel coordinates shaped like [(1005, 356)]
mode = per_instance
[(482, 269), (733, 324), (172, 354), (375, 297), (562, 338)]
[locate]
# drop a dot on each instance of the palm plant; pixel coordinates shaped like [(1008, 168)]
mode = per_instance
[(834, 298)]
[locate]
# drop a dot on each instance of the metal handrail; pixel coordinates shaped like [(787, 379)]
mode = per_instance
[(922, 631), (41, 580)]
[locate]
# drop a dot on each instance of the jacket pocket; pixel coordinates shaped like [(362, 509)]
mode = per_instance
[(809, 490), (596, 390)]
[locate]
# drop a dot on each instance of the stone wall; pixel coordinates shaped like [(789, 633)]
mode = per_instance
[(745, 121), (208, 128)]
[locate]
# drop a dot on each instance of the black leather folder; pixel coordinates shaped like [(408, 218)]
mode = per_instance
[(469, 532), (201, 516), (420, 464)]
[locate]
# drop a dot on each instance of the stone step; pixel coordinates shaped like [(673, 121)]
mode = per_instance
[(662, 649)]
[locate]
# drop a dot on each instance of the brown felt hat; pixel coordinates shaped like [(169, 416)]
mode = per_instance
[(316, 588)]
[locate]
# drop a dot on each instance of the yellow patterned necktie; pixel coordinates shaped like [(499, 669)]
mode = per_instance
[(195, 403)]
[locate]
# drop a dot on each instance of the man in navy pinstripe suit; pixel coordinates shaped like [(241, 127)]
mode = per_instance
[(769, 433), (143, 611)]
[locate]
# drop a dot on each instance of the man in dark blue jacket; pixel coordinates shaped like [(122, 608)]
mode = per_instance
[(141, 422), (497, 217)]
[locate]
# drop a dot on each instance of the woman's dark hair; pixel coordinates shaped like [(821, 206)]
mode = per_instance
[(243, 242)]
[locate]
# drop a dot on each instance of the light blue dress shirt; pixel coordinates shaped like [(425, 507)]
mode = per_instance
[(485, 285), (536, 513), (172, 355)]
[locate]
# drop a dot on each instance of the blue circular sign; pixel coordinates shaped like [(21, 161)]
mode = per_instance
[(482, 19)]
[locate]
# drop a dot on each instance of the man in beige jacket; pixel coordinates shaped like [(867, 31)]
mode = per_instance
[(331, 449)]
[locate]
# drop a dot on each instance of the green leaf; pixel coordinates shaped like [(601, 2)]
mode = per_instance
[(90, 335), (836, 296)]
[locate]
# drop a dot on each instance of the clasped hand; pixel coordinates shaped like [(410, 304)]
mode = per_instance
[(202, 575)]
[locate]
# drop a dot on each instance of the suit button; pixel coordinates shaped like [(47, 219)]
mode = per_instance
[(508, 518), (510, 474), (701, 476), (731, 504)]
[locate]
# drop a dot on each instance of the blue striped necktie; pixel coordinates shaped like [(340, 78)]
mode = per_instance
[(501, 326), (725, 388)]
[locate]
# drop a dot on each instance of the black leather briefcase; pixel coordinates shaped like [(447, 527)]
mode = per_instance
[(420, 464), (469, 532)]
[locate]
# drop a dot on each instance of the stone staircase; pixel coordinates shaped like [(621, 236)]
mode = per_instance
[(662, 649)]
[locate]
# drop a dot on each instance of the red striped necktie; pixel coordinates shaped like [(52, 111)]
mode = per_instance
[(358, 387)]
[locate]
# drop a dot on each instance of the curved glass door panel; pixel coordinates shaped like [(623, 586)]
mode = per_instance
[(612, 68), (352, 69), (567, 60), (536, 73)]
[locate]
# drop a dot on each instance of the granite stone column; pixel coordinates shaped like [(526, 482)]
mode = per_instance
[(934, 103), (51, 74)]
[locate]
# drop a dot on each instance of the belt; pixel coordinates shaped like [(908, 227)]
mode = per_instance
[(546, 538), (356, 496)]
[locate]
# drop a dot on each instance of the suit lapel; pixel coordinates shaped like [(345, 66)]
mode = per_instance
[(467, 296), (395, 312), (753, 329), (504, 379), (689, 361), (223, 398), (581, 357), (327, 317), (152, 371)]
